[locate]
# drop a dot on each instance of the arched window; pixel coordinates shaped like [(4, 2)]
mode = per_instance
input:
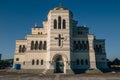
[(55, 24), (81, 33), (41, 62), (33, 62), (79, 45), (100, 48), (17, 59), (32, 45), (37, 62), (59, 22), (83, 45), (20, 49), (40, 45), (94, 48), (86, 62), (74, 42), (97, 48), (23, 49), (82, 62), (87, 44), (41, 33), (76, 46), (36, 45), (24, 63), (45, 45), (64, 24), (77, 62)]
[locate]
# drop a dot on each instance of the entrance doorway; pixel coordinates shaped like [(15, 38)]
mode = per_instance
[(59, 65)]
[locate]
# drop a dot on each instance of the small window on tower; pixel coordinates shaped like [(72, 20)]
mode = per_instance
[(86, 62), (37, 62), (55, 24), (40, 45), (17, 59), (24, 63), (59, 22), (33, 62), (38, 33), (82, 62), (81, 33), (64, 24), (102, 58), (45, 45), (41, 33), (77, 61), (41, 62), (20, 49), (36, 45), (32, 45)]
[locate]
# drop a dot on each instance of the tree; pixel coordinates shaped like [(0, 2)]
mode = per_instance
[(116, 61)]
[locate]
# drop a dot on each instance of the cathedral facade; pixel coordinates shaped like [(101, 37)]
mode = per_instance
[(60, 46)]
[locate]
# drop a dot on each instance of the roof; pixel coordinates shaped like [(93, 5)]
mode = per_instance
[(60, 8)]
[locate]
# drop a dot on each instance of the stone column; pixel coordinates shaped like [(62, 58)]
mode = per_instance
[(91, 52), (92, 69)]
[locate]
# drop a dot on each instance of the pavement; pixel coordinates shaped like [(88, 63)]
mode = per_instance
[(19, 76)]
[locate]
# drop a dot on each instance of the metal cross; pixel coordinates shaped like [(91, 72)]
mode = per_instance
[(59, 39)]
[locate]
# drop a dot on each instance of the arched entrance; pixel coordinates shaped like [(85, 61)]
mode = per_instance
[(59, 64)]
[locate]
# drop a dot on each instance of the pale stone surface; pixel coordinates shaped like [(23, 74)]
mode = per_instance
[(59, 77), (60, 43)]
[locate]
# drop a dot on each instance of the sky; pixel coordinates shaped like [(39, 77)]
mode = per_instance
[(17, 17)]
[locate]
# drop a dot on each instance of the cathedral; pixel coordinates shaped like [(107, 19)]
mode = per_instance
[(60, 46)]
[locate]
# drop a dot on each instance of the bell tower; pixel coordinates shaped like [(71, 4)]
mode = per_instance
[(59, 30)]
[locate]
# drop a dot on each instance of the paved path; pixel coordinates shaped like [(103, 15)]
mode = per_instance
[(14, 76), (57, 77)]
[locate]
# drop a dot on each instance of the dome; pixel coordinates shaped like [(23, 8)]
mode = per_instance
[(60, 8), (63, 9)]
